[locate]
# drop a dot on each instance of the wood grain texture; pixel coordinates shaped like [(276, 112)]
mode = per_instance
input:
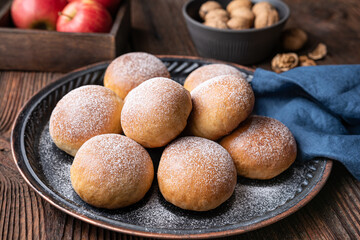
[(40, 50), (158, 27)]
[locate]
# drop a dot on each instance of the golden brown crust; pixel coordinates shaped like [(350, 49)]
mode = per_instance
[(206, 72), (219, 106), (82, 114), (111, 171), (261, 147), (129, 70), (196, 174), (156, 112)]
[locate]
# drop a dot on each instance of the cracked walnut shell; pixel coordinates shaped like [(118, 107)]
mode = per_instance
[(305, 61), (207, 7), (284, 61)]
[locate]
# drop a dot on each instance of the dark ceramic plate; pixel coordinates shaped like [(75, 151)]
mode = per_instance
[(253, 205)]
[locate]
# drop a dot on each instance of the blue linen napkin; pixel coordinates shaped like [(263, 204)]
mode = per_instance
[(321, 107)]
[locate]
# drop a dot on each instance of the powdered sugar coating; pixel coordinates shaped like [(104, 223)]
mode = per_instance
[(111, 171), (83, 113), (155, 112), (204, 73), (196, 173), (272, 138), (220, 105), (224, 92), (261, 147), (129, 70), (107, 156)]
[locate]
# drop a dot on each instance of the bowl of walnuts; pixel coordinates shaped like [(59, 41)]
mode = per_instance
[(240, 31)]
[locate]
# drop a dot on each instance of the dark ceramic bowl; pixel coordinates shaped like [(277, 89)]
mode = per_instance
[(247, 46)]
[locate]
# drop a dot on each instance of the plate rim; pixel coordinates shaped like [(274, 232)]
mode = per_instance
[(18, 129)]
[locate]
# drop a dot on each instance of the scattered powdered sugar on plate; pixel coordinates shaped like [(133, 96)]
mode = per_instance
[(55, 165), (251, 198)]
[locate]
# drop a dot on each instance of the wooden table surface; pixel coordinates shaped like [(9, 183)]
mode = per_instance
[(158, 27)]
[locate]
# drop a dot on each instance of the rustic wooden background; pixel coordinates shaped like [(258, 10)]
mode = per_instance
[(333, 214)]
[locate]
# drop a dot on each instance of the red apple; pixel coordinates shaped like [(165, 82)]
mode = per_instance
[(110, 5), (84, 16), (41, 14)]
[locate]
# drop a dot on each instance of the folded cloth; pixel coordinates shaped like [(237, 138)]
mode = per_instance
[(321, 107)]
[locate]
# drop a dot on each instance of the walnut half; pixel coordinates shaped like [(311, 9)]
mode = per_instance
[(319, 52), (305, 61), (284, 61)]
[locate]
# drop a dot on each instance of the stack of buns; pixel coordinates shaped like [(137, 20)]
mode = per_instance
[(195, 172)]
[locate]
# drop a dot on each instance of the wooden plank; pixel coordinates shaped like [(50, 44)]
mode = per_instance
[(52, 51), (40, 50), (5, 19), (121, 29)]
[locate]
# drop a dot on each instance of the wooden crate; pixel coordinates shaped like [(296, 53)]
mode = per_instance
[(41, 50)]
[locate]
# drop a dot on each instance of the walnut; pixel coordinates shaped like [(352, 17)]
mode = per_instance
[(284, 61), (207, 7), (238, 4), (220, 14), (305, 61), (216, 23), (266, 18), (319, 52), (293, 39), (261, 7), (239, 23), (243, 12)]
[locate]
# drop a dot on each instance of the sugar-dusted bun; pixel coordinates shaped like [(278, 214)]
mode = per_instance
[(82, 114), (207, 72), (261, 147), (129, 70), (196, 174), (219, 106), (111, 171), (156, 112)]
